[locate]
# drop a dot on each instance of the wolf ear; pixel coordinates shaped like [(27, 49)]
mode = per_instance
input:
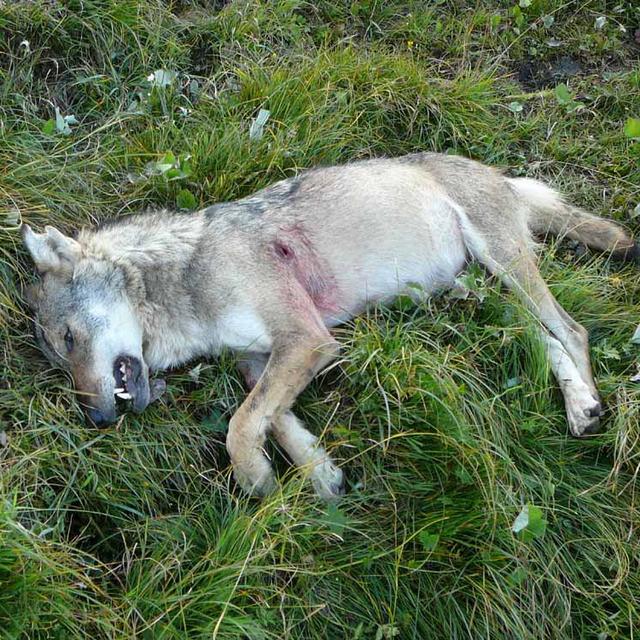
[(52, 250), (31, 295)]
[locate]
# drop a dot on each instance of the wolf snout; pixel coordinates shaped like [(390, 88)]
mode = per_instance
[(100, 418)]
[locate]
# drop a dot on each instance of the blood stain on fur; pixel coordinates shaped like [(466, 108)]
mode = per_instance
[(296, 253)]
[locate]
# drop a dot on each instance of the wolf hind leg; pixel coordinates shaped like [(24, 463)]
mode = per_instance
[(506, 252), (566, 340), (525, 280)]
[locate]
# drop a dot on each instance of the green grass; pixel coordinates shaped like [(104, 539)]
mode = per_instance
[(444, 417)]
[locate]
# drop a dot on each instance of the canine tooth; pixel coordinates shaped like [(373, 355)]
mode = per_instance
[(117, 391), (124, 396), (123, 369)]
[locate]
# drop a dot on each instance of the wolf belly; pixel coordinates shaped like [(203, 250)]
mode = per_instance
[(409, 253)]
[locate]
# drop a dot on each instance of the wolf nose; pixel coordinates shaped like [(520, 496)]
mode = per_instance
[(97, 417)]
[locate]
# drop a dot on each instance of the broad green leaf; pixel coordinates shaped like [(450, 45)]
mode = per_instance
[(562, 94), (530, 523), (256, 130), (521, 521), (429, 540), (170, 167), (537, 523), (515, 106), (387, 631), (63, 122), (215, 422), (336, 520), (162, 78), (512, 382), (186, 200), (600, 22), (49, 127), (518, 576), (168, 158), (632, 128)]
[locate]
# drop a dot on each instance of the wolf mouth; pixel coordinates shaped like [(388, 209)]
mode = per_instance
[(132, 385), (121, 375), (127, 372)]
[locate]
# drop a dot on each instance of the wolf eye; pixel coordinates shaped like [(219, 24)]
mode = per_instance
[(68, 340)]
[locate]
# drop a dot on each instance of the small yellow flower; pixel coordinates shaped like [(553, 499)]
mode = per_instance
[(615, 281), (410, 44)]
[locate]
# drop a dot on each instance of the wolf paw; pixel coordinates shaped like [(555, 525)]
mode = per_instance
[(327, 480), (256, 478), (583, 413)]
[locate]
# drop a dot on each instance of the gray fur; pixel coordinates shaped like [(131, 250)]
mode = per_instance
[(268, 275)]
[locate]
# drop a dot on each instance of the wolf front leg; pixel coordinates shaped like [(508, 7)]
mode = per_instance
[(296, 358), (299, 443)]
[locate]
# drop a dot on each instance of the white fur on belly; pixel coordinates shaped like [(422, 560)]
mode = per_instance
[(241, 328)]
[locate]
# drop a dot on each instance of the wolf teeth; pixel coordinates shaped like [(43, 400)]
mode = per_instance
[(124, 396), (118, 391), (123, 369)]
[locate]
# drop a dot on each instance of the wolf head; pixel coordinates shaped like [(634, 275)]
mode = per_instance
[(86, 324)]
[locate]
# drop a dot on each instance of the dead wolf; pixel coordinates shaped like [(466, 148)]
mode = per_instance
[(269, 275)]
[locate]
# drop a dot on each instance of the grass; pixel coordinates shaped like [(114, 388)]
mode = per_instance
[(444, 417)]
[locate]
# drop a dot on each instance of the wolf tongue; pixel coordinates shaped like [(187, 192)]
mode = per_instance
[(157, 388)]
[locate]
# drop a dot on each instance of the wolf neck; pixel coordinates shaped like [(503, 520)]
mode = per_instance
[(146, 241), (156, 252)]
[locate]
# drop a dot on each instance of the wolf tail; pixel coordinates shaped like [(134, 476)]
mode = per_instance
[(550, 214)]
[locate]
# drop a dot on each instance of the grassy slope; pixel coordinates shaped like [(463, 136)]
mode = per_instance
[(445, 417)]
